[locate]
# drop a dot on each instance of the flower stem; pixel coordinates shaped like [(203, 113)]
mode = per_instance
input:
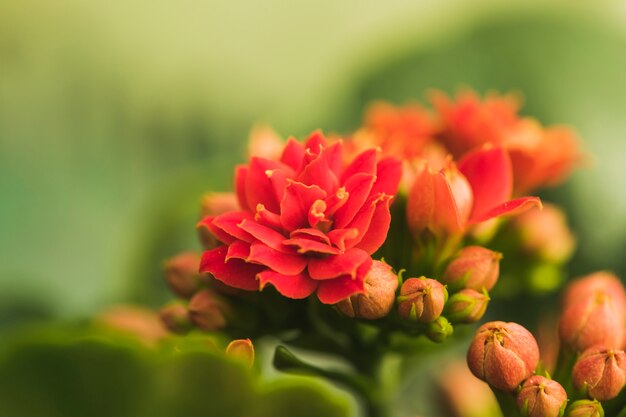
[(507, 403)]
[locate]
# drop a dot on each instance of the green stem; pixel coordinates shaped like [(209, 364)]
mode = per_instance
[(563, 370), (507, 403), (622, 413)]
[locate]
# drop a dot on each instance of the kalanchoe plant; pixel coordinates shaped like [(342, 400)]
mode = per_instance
[(312, 247)]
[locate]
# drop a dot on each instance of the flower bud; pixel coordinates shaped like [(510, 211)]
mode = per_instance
[(181, 273), (264, 142), (474, 267), (601, 372), (604, 281), (208, 311), (585, 408), (541, 397), (467, 306), (503, 354), (241, 349), (545, 233), (214, 204), (596, 319), (176, 317), (439, 330), (421, 299), (380, 293)]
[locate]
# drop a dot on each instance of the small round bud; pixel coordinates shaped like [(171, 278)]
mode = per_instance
[(176, 317), (208, 311), (541, 397), (380, 293), (593, 320), (439, 330), (467, 306), (503, 354), (600, 372), (421, 299), (241, 349), (474, 267), (602, 281), (181, 273), (585, 408), (545, 233)]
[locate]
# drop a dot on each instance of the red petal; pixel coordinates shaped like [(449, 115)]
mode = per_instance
[(278, 261), (446, 214), (267, 235), (316, 142), (334, 158), (336, 201), (219, 234), (339, 237), (229, 223), (310, 233), (291, 286), (241, 173), (238, 250), (378, 226), (293, 154), (267, 218), (365, 162), (305, 245), (259, 187), (334, 266), (294, 208), (358, 188), (334, 290), (234, 273), (388, 175), (490, 174), (316, 214), (318, 172), (510, 208)]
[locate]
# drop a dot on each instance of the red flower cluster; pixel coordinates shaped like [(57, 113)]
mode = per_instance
[(308, 222)]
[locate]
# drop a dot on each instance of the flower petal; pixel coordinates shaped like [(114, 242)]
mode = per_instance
[(378, 226), (305, 245), (318, 172), (238, 250), (222, 236), (334, 290), (267, 235), (510, 208), (280, 262), (259, 186), (365, 163), (295, 206), (339, 237), (293, 154), (234, 273), (241, 174), (388, 175), (229, 223), (310, 233), (358, 187), (334, 266), (291, 286), (490, 174)]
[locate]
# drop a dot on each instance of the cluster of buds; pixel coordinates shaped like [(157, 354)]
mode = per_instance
[(200, 304)]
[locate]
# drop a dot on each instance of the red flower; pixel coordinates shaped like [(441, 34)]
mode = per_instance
[(451, 199), (307, 222)]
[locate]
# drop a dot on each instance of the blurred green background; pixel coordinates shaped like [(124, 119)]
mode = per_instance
[(116, 116)]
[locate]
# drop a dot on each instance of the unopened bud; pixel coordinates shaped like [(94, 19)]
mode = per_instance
[(241, 349), (208, 311), (176, 317), (603, 281), (545, 234), (467, 306), (380, 293), (181, 273), (421, 299), (439, 330), (541, 397), (596, 319), (600, 372), (503, 354), (474, 267), (585, 408)]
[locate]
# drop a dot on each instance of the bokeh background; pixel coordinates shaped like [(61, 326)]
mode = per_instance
[(115, 117)]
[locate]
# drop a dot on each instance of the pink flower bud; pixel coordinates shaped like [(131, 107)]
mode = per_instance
[(541, 397), (585, 408), (545, 233), (421, 299), (380, 293), (503, 354), (474, 267), (595, 319), (601, 372), (208, 311), (175, 317), (241, 349), (603, 281), (467, 306), (181, 273)]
